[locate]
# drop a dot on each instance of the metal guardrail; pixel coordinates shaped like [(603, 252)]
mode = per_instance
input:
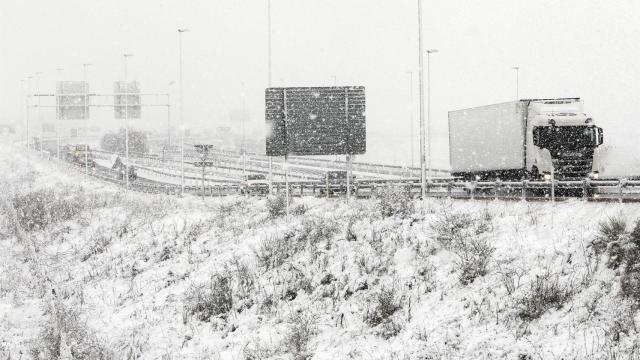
[(620, 190)]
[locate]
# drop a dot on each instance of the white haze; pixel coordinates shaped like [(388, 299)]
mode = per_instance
[(564, 49)]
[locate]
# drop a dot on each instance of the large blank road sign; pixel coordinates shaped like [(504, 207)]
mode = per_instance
[(131, 100), (315, 120), (72, 100)]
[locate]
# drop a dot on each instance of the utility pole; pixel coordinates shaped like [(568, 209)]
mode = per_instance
[(180, 31), (517, 69), (269, 84), (85, 114), (429, 138), (411, 142), (242, 146), (126, 122), (171, 83), (28, 102), (423, 183), (58, 72), (39, 113)]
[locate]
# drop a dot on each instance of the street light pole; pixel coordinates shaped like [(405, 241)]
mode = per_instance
[(126, 122), (180, 31), (85, 115), (411, 142), (517, 69), (39, 113), (429, 138), (269, 84), (242, 147), (58, 72), (28, 104), (423, 183), (171, 83)]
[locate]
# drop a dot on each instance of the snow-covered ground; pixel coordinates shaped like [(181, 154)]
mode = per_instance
[(157, 277)]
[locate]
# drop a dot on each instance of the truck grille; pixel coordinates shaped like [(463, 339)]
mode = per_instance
[(572, 168)]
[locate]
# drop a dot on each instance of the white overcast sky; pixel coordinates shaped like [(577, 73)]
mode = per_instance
[(570, 48)]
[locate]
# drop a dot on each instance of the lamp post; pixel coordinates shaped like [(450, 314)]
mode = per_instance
[(126, 122), (58, 73), (180, 31), (85, 113), (423, 182), (429, 155), (517, 69), (39, 113), (411, 144), (28, 105), (170, 84), (242, 145), (269, 84)]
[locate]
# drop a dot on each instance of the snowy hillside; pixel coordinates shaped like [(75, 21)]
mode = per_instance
[(97, 273)]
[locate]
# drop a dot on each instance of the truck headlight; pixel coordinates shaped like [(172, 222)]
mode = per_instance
[(594, 175), (547, 176)]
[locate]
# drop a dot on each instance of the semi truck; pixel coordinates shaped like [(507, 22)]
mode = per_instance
[(530, 139)]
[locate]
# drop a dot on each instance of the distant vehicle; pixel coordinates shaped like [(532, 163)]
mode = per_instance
[(254, 184), (79, 154), (335, 182), (120, 168), (524, 139)]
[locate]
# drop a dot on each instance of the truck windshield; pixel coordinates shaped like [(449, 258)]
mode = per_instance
[(566, 137)]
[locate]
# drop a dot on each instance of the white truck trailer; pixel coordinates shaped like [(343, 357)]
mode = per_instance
[(524, 139)]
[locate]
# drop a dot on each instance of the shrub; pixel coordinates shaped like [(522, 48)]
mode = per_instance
[(301, 330), (545, 292), (386, 305), (474, 255), (451, 227), (300, 209), (350, 234), (630, 283), (612, 230), (276, 250), (277, 205), (317, 229), (394, 201), (389, 329), (37, 209), (65, 333), (212, 299)]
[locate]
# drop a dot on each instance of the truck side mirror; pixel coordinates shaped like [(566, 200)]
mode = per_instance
[(600, 136), (536, 136)]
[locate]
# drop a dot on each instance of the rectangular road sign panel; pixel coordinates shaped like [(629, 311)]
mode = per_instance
[(127, 95), (315, 120), (72, 100), (203, 163)]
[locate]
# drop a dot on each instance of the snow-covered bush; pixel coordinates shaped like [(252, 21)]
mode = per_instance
[(317, 229), (465, 235), (299, 209), (277, 205), (386, 304), (630, 281), (545, 292), (451, 228), (610, 233), (211, 299), (302, 328), (474, 254), (394, 201), (275, 250), (65, 336), (37, 209)]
